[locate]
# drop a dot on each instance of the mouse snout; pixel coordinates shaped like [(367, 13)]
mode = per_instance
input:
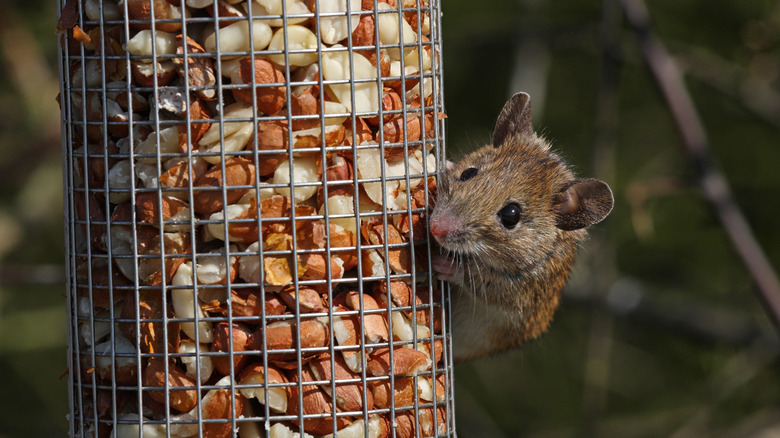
[(443, 225)]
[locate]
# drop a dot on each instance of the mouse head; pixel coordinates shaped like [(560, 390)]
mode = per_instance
[(514, 202)]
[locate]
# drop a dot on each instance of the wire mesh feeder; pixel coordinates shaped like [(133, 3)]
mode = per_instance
[(246, 218)]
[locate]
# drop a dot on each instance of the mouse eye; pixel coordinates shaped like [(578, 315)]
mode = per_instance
[(469, 173), (510, 215)]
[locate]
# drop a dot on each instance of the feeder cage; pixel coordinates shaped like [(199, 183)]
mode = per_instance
[(247, 187)]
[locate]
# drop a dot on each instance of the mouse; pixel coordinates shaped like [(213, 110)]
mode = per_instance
[(509, 219)]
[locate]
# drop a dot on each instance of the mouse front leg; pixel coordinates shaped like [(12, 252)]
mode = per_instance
[(480, 325), (447, 269)]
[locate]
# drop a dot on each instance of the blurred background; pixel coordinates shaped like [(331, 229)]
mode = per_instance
[(661, 332)]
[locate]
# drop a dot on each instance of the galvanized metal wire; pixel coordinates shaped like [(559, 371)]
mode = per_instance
[(120, 258)]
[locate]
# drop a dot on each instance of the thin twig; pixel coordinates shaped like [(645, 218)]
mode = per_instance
[(30, 275), (689, 319), (753, 93), (597, 370), (713, 183), (740, 370)]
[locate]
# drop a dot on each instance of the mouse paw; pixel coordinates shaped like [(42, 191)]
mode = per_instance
[(445, 268)]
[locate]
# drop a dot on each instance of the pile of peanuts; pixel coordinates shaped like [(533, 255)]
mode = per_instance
[(250, 185)]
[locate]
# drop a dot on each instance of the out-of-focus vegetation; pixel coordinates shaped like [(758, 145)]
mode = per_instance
[(33, 402), (660, 332)]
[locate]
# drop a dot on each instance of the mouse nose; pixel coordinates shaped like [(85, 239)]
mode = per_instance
[(438, 230), (443, 225)]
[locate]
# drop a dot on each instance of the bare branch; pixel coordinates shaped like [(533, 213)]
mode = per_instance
[(597, 370), (712, 181), (690, 319), (26, 275), (756, 95)]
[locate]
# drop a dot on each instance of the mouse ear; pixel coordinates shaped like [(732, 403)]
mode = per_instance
[(582, 204), (515, 118)]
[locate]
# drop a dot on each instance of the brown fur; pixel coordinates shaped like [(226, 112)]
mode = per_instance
[(507, 282)]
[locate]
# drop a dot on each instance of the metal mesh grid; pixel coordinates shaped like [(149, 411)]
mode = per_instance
[(218, 269)]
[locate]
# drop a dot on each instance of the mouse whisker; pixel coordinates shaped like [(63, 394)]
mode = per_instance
[(477, 286), (483, 287)]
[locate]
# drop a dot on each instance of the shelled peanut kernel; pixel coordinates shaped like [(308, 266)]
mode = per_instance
[(246, 170)]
